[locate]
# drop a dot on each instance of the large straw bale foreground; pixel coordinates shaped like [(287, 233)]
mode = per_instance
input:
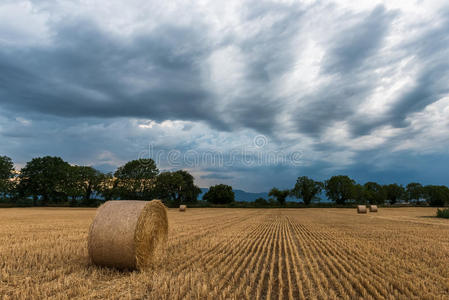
[(128, 234)]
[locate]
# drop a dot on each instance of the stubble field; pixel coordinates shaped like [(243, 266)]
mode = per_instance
[(400, 253)]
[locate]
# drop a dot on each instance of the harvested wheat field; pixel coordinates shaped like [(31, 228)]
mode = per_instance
[(397, 253)]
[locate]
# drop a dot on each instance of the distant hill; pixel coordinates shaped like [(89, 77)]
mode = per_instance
[(240, 196)]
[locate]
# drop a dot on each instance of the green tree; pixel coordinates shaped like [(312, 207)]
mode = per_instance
[(306, 189), (177, 187), (136, 179), (106, 186), (167, 186), (374, 193), (436, 195), (340, 188), (188, 192), (47, 177), (358, 193), (6, 174), (280, 195), (414, 191), (220, 194), (83, 180), (394, 192)]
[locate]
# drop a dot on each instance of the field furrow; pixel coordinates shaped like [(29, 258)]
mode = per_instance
[(349, 265), (208, 250)]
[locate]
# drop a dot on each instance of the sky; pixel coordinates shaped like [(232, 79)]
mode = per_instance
[(247, 93)]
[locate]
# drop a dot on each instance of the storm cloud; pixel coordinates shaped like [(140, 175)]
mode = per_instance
[(355, 89)]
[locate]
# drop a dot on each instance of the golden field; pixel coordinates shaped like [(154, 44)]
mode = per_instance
[(397, 253)]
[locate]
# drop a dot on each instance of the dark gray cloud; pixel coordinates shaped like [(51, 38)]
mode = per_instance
[(356, 44), (336, 101), (90, 73), (349, 60), (429, 50), (268, 54), (219, 176)]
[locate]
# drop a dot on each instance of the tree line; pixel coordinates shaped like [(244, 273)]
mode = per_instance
[(343, 190), (51, 180)]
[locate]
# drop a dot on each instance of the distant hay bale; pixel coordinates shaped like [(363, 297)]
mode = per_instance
[(182, 207), (128, 234), (373, 208), (361, 209)]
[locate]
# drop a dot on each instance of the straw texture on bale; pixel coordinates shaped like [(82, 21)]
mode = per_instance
[(128, 234), (373, 208), (182, 207), (361, 209)]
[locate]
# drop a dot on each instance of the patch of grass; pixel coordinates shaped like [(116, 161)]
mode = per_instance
[(443, 213)]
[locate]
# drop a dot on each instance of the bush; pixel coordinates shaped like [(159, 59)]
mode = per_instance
[(260, 202), (443, 213)]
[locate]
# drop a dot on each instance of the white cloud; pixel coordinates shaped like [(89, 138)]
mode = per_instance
[(22, 25), (23, 121), (428, 130)]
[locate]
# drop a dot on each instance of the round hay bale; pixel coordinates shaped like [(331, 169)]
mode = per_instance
[(373, 208), (128, 234), (182, 207), (361, 209)]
